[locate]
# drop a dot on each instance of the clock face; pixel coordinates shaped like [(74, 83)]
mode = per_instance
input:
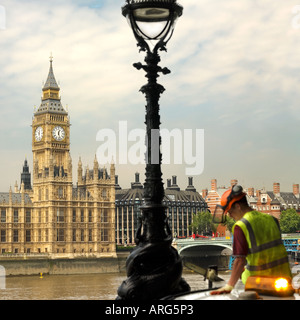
[(58, 133), (39, 133)]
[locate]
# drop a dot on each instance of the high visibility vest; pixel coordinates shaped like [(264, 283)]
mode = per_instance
[(267, 255)]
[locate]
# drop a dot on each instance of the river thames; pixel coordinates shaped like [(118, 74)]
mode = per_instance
[(79, 287)]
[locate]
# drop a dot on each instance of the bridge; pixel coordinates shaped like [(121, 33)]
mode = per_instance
[(184, 244), (205, 251), (218, 251), (290, 241)]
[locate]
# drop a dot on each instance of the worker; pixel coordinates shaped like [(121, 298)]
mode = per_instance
[(257, 244)]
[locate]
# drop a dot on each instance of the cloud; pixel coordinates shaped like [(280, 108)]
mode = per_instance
[(235, 68)]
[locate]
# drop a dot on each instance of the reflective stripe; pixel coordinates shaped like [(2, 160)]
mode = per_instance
[(269, 265), (251, 233), (255, 248), (267, 245)]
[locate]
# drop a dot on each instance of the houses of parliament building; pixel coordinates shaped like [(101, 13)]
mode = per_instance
[(49, 214)]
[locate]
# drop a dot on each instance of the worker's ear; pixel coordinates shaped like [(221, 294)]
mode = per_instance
[(236, 205)]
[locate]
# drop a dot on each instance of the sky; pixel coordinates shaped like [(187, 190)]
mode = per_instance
[(235, 75)]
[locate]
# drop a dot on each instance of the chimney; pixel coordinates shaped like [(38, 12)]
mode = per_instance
[(233, 182), (117, 187), (276, 187), (174, 183), (214, 184), (258, 194), (190, 187), (251, 192), (204, 193), (136, 184), (168, 183), (174, 180), (296, 190)]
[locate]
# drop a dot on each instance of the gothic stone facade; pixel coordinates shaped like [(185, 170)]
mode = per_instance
[(52, 216)]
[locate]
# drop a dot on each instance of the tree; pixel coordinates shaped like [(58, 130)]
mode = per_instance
[(229, 223), (289, 221), (202, 223)]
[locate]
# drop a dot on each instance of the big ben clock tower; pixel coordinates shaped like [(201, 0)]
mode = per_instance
[(51, 132), (65, 219)]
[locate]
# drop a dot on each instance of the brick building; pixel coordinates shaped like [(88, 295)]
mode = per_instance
[(212, 198), (270, 202)]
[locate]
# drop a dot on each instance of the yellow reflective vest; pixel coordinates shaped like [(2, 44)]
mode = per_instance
[(267, 255)]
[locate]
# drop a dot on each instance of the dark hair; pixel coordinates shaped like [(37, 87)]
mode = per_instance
[(242, 202)]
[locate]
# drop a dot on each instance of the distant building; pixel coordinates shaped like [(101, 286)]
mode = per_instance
[(213, 198), (181, 205), (51, 215), (270, 202), (274, 202)]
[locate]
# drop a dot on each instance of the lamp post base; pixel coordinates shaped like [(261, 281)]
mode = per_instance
[(154, 267)]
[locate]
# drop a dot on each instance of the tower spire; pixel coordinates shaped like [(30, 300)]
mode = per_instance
[(51, 99), (51, 82), (26, 176)]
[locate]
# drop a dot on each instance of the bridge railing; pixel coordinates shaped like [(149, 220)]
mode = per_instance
[(202, 239)]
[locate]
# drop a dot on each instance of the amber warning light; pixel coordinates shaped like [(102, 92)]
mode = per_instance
[(270, 286)]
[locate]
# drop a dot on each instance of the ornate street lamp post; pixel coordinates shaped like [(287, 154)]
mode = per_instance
[(154, 268)]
